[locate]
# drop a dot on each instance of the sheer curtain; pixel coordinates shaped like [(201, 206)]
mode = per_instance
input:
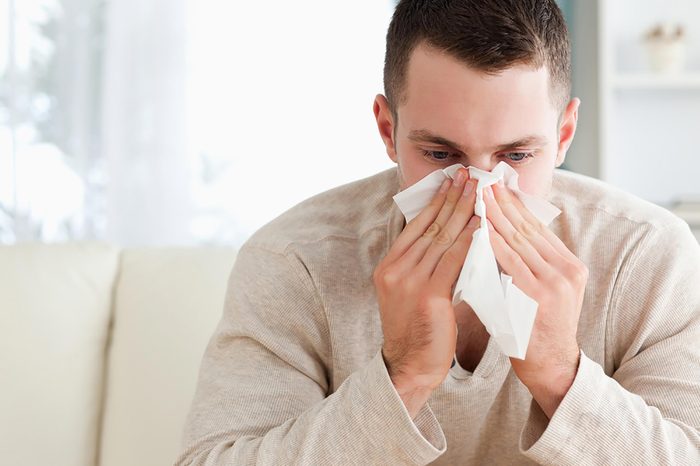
[(187, 121), (50, 59), (144, 116)]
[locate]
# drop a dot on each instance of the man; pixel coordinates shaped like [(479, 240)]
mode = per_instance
[(339, 343)]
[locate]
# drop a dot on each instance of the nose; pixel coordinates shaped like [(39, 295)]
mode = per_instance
[(483, 162)]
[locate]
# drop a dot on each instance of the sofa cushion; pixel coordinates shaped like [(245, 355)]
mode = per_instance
[(167, 304), (54, 317)]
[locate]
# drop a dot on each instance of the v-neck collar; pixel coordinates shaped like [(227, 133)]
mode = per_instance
[(491, 358)]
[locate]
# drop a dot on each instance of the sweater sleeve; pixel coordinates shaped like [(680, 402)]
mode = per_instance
[(648, 411), (262, 394)]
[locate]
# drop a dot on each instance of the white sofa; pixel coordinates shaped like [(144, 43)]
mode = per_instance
[(100, 349)]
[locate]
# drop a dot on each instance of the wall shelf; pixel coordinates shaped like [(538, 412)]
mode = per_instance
[(637, 128)]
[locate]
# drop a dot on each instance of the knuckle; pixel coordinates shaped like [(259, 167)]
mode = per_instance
[(505, 199), (388, 278), (526, 229), (517, 238), (578, 273), (432, 230), (512, 257), (443, 238)]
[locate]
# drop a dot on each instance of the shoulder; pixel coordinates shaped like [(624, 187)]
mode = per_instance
[(603, 207), (346, 212), (614, 232)]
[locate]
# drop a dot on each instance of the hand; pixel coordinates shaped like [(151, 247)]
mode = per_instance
[(414, 291), (545, 270)]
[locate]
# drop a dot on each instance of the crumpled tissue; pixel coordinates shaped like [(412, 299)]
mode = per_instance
[(507, 313)]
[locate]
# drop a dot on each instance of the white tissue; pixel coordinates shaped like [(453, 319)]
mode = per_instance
[(507, 313)]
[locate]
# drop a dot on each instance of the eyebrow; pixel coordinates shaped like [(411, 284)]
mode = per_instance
[(423, 135)]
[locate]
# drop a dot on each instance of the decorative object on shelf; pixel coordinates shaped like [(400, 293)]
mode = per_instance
[(666, 47)]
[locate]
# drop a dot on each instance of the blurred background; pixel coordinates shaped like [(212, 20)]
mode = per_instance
[(142, 123), (182, 122)]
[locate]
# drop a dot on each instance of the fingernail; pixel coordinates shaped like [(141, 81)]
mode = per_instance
[(445, 185), (459, 179), (489, 192), (469, 187)]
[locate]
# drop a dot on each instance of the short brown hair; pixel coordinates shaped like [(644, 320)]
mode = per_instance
[(488, 35)]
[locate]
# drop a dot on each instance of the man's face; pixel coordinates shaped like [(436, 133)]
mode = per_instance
[(455, 114)]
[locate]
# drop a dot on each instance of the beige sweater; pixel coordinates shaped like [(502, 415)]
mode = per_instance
[(293, 374)]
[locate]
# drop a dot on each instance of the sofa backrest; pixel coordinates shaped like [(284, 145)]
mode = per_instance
[(54, 315), (100, 349), (167, 303)]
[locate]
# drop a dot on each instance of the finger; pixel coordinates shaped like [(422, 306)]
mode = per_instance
[(464, 211), (546, 233), (453, 196), (447, 270), (419, 224), (566, 264), (517, 242), (512, 263), (526, 224), (435, 231)]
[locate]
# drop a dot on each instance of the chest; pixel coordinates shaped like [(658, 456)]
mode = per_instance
[(472, 338)]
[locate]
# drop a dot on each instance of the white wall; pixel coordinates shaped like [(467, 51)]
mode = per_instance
[(280, 103), (639, 137), (653, 132)]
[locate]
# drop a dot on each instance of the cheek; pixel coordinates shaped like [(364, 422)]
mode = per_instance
[(536, 180), (412, 169), (536, 177), (529, 183)]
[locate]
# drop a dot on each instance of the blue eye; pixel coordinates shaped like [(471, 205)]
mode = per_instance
[(437, 155), (445, 156), (517, 157)]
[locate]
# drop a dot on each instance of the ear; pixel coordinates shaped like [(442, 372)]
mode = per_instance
[(385, 124), (567, 129)]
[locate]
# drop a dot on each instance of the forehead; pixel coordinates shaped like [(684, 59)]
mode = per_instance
[(444, 94)]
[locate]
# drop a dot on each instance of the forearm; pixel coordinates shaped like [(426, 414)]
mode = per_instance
[(600, 422), (550, 388), (358, 424)]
